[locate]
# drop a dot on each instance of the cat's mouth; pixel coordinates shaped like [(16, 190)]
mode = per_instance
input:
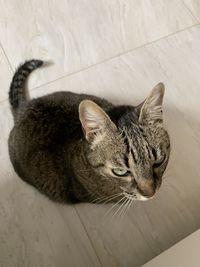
[(135, 195)]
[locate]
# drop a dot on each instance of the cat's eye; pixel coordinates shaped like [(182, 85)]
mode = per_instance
[(159, 162), (120, 172)]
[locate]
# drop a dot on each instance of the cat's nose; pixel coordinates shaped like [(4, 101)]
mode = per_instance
[(147, 189), (148, 193)]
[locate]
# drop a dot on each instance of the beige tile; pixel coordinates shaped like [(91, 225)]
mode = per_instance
[(151, 227), (183, 254), (5, 76), (33, 230)]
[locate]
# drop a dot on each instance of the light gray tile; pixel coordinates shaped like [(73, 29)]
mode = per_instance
[(5, 76), (118, 241), (147, 20), (72, 34), (194, 7), (77, 34)]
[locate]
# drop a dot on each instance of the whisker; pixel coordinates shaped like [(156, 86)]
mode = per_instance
[(121, 206), (104, 201), (128, 205), (102, 198), (113, 206), (132, 202), (124, 208)]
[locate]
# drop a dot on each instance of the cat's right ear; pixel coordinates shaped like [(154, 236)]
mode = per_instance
[(93, 119), (151, 108)]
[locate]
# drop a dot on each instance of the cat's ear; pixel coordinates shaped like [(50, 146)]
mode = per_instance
[(151, 108), (93, 119)]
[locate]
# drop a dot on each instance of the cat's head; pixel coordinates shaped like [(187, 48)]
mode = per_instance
[(129, 147)]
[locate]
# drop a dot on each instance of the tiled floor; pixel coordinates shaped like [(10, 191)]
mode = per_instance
[(118, 50)]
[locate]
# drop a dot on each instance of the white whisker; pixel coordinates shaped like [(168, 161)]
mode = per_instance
[(124, 208), (132, 200), (121, 206), (113, 206), (109, 199), (102, 198), (128, 204)]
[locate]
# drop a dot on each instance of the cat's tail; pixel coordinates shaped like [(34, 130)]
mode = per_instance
[(17, 93)]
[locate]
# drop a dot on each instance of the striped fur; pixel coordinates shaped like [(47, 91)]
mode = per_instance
[(120, 155), (17, 94)]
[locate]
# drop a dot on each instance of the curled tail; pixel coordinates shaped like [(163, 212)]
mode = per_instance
[(17, 94)]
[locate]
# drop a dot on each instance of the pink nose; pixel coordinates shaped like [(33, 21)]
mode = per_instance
[(147, 188), (148, 193)]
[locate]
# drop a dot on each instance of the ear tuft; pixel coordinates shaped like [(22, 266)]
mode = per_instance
[(152, 107), (93, 119)]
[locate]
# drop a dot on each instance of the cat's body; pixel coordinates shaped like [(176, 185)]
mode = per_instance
[(49, 150), (48, 139)]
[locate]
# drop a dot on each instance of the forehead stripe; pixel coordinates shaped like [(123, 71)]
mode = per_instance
[(126, 142), (133, 155), (126, 161)]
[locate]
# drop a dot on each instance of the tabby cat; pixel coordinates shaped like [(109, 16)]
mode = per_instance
[(78, 147)]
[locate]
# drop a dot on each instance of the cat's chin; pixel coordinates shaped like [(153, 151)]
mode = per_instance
[(143, 198)]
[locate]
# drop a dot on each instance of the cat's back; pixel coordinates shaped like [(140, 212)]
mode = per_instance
[(50, 121), (45, 129)]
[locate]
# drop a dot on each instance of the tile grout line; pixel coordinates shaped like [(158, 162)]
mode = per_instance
[(84, 227), (118, 55), (8, 61), (103, 61)]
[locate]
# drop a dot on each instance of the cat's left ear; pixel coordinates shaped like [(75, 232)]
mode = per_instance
[(94, 120), (151, 109)]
